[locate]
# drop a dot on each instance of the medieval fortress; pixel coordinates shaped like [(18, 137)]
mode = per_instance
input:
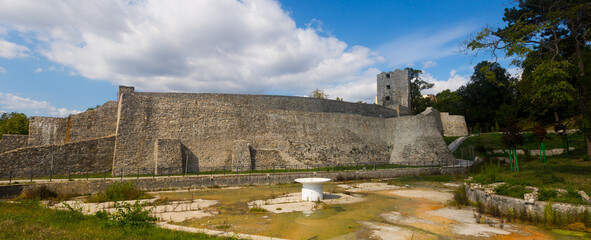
[(148, 132)]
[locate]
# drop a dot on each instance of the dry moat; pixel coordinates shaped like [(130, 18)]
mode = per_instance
[(350, 210)]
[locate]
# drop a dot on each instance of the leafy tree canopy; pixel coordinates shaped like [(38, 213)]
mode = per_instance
[(489, 88), (551, 41), (417, 84), (14, 123), (448, 101), (318, 94)]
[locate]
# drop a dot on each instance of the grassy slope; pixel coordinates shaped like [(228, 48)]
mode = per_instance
[(567, 171), (492, 141), (29, 220)]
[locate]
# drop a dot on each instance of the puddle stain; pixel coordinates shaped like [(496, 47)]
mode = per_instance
[(338, 221)]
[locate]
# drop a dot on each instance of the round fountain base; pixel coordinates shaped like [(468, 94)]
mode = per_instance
[(312, 188)]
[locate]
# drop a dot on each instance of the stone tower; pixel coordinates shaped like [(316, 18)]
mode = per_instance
[(394, 91)]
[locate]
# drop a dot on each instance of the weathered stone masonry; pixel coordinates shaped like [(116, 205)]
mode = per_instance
[(453, 125), (195, 132), (10, 142)]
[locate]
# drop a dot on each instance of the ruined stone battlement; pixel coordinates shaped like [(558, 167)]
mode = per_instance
[(393, 91)]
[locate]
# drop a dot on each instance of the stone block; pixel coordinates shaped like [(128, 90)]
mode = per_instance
[(453, 125), (241, 157), (585, 196), (168, 153)]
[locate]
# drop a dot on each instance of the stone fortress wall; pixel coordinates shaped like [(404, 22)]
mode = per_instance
[(194, 131), (9, 142), (91, 124), (453, 125), (92, 155), (269, 130)]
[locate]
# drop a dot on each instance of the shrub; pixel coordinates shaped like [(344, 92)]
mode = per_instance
[(460, 196), (119, 191), (257, 210), (37, 193), (135, 215)]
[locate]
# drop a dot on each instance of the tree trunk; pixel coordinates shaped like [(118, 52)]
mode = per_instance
[(583, 94)]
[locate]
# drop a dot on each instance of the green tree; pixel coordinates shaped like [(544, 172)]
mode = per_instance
[(318, 94), (511, 138), (417, 84), (14, 123), (490, 87), (339, 99), (93, 108), (448, 101), (550, 41)]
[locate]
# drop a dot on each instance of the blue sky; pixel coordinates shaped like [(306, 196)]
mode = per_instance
[(61, 57)]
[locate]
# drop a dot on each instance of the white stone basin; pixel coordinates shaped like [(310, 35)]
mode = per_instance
[(312, 188)]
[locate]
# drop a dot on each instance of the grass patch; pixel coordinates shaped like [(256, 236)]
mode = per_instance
[(30, 220), (566, 171), (516, 191), (449, 140), (490, 141), (119, 191), (572, 196), (572, 233), (430, 178), (257, 210)]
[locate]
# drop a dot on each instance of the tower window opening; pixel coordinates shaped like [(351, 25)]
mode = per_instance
[(387, 75), (387, 98), (387, 86)]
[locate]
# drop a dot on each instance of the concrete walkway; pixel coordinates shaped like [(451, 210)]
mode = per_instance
[(212, 232), (456, 143)]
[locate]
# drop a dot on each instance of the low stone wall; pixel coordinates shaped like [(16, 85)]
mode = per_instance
[(9, 142), (95, 154), (453, 125), (549, 152), (163, 183), (513, 205)]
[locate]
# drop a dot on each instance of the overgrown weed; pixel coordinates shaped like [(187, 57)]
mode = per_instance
[(119, 191)]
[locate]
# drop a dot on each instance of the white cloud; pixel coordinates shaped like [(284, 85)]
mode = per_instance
[(515, 72), (10, 102), (2, 70), (12, 50), (429, 64), (38, 70), (199, 46), (360, 88), (425, 45), (454, 82)]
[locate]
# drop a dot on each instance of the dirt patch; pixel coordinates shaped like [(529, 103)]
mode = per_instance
[(369, 187), (390, 232), (174, 211), (293, 202), (432, 195)]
